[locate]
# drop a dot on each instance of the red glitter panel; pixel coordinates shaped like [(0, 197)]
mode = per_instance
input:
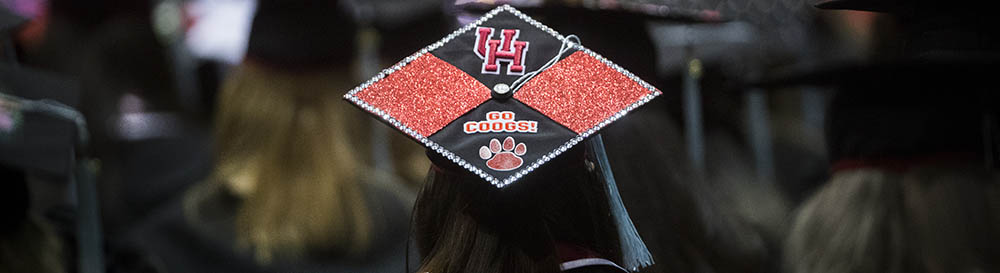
[(580, 92), (426, 94)]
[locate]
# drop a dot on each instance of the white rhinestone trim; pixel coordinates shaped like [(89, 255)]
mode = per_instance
[(350, 96)]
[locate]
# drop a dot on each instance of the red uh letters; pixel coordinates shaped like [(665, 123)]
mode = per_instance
[(508, 50)]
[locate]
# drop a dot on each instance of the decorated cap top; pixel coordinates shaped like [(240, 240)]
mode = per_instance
[(502, 95)]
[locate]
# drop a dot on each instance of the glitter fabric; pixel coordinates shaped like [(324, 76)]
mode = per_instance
[(580, 92), (426, 94)]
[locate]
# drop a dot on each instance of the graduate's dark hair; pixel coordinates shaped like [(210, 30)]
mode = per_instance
[(464, 224), (724, 222)]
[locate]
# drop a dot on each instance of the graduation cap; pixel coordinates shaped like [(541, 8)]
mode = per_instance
[(895, 129), (960, 29), (301, 34), (904, 7), (942, 43), (897, 113), (504, 95)]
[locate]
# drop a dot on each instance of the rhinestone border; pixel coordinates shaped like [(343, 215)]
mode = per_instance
[(350, 96)]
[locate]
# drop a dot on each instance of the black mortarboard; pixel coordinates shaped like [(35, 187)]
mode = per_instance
[(933, 99), (31, 140), (301, 34), (956, 29), (904, 110), (906, 7), (943, 43), (897, 125), (502, 96)]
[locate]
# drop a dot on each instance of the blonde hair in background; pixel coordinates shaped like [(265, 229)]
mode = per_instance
[(928, 219), (953, 219), (288, 135)]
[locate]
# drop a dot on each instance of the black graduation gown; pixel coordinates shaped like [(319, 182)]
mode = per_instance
[(174, 245)]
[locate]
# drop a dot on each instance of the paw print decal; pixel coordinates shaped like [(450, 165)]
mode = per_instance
[(504, 157)]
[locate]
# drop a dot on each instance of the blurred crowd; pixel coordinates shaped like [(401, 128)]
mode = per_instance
[(211, 135)]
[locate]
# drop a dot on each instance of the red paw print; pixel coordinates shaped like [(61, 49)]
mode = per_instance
[(508, 158)]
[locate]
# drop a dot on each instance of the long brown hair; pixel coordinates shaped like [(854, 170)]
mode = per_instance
[(464, 224), (284, 146), (720, 222)]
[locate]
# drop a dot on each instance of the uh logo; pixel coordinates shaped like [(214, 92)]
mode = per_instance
[(508, 49)]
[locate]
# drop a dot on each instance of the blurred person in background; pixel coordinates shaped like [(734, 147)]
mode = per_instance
[(292, 190), (37, 216), (909, 190), (150, 148), (388, 30), (913, 149)]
